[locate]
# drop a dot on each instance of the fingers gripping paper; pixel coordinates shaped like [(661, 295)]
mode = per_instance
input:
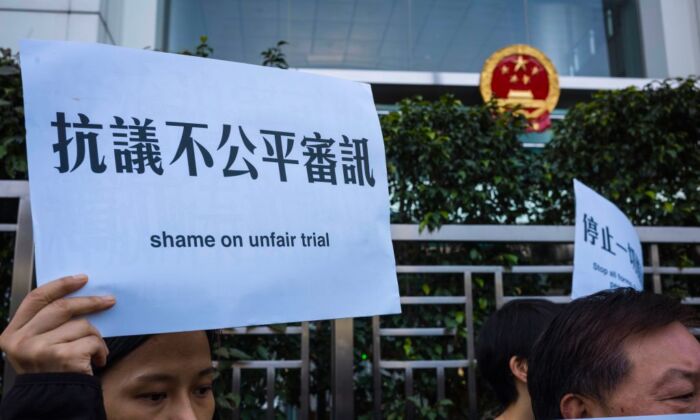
[(205, 194)]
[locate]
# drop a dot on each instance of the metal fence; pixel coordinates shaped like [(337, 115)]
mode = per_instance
[(271, 367), (23, 264), (342, 398), (519, 234)]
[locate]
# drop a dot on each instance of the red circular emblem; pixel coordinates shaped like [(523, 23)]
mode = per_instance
[(520, 75)]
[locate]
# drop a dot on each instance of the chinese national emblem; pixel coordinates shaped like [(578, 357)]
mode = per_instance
[(522, 75)]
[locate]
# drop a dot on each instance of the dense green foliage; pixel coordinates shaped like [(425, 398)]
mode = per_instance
[(451, 164), (12, 151), (448, 163), (640, 148)]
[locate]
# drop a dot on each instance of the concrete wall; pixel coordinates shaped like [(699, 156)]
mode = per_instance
[(131, 23), (681, 23), (671, 37)]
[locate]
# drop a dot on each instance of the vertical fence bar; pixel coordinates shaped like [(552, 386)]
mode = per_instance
[(440, 383), (408, 389), (656, 277), (236, 390), (342, 369), (376, 371), (469, 319), (498, 285), (270, 393), (23, 268), (304, 371)]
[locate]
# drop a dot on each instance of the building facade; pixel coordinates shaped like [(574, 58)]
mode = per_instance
[(401, 47)]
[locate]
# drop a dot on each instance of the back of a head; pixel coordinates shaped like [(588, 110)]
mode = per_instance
[(582, 349), (510, 331)]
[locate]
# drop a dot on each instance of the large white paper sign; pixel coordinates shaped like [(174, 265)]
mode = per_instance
[(607, 251), (205, 194)]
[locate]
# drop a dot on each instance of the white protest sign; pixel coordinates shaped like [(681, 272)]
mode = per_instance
[(607, 251), (205, 194)]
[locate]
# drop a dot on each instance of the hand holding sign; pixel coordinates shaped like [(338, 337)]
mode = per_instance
[(45, 334)]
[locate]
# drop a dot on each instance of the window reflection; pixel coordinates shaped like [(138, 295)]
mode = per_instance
[(581, 37)]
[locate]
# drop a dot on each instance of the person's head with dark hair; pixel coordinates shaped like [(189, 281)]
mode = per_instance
[(503, 349), (167, 375), (118, 348), (159, 376), (617, 353)]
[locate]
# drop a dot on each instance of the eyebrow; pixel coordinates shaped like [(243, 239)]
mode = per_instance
[(675, 373), (207, 371), (165, 377)]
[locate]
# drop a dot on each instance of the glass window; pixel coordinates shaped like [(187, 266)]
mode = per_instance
[(581, 37)]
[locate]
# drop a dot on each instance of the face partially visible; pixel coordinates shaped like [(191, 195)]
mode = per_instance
[(167, 377), (664, 378)]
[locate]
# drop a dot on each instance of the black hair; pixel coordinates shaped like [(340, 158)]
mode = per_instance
[(582, 350), (119, 347), (510, 331)]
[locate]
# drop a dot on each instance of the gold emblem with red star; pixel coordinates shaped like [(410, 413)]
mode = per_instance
[(521, 75)]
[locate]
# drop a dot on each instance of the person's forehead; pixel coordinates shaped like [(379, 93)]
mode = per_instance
[(181, 355), (178, 347), (663, 349), (180, 374), (183, 341)]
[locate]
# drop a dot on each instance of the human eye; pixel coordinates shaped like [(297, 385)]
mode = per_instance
[(152, 397), (686, 397), (682, 400), (203, 390)]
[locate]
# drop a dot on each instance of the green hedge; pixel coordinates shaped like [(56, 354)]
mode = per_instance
[(640, 148), (451, 164), (13, 158)]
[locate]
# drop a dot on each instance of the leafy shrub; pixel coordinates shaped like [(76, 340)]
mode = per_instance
[(12, 151), (639, 148), (451, 164)]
